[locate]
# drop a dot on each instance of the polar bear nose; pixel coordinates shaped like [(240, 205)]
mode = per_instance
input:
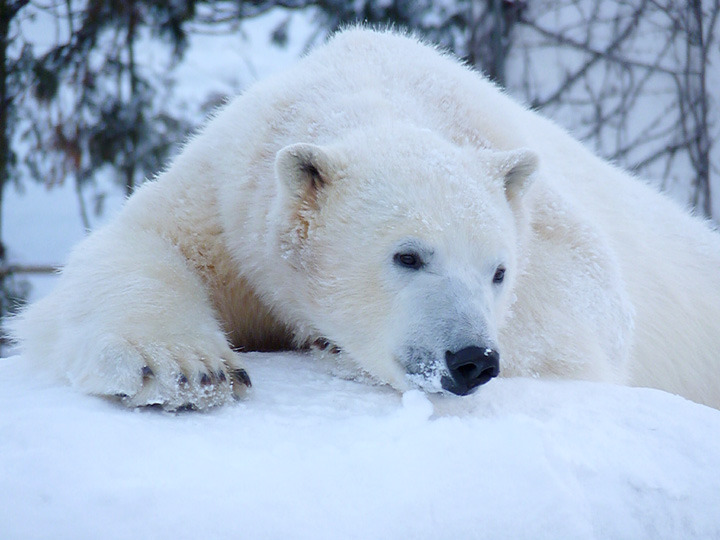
[(470, 367)]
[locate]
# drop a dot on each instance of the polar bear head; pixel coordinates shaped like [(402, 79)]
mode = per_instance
[(407, 246)]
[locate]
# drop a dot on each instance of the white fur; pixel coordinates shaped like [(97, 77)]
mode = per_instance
[(606, 278)]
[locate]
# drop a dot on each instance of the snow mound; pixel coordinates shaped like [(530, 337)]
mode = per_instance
[(309, 455)]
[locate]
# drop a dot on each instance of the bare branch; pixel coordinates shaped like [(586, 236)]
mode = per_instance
[(28, 269)]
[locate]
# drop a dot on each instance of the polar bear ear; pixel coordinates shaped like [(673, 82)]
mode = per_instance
[(516, 169), (305, 169)]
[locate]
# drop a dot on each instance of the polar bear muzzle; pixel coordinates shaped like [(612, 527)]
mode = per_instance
[(469, 368)]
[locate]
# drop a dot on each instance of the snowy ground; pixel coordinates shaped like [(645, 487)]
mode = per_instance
[(309, 455)]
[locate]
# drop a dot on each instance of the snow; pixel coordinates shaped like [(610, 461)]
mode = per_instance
[(310, 455)]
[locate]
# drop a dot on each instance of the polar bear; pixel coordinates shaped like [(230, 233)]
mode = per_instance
[(383, 204)]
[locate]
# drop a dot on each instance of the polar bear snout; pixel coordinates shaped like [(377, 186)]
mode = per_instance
[(469, 368)]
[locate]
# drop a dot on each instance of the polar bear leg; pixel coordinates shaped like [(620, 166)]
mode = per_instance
[(130, 318)]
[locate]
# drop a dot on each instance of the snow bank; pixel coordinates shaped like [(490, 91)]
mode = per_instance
[(313, 456)]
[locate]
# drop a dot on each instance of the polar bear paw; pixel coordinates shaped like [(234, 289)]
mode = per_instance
[(168, 375)]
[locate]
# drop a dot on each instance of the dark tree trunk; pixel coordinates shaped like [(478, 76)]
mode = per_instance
[(5, 17)]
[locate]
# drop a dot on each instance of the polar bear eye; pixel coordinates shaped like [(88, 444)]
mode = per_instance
[(409, 259), (499, 275)]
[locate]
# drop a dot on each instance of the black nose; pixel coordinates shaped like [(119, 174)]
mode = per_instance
[(470, 367)]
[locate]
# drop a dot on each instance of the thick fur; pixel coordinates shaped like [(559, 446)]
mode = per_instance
[(278, 224)]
